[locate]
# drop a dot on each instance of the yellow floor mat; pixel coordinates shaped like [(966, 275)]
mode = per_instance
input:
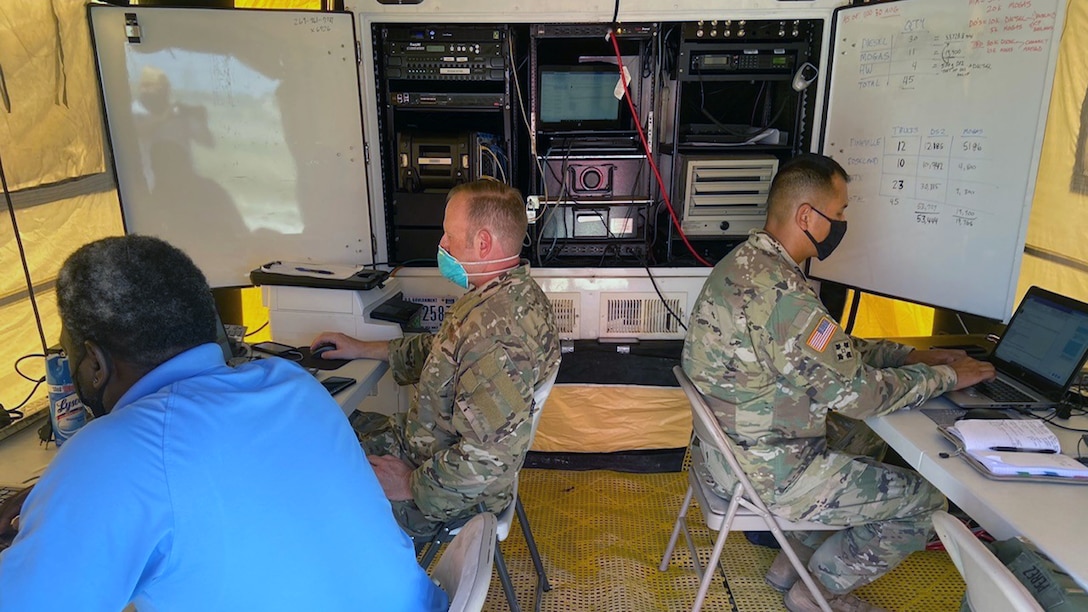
[(601, 535)]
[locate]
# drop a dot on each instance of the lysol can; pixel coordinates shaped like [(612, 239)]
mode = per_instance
[(66, 412)]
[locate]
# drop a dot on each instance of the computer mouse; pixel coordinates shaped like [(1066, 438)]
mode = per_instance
[(322, 349), (985, 413)]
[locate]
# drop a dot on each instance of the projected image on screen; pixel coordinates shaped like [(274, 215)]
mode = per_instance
[(218, 143), (194, 141), (579, 96)]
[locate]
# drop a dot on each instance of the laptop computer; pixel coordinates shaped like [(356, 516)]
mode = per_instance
[(223, 340), (1037, 359)]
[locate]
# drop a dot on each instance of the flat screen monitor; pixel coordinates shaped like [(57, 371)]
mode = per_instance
[(581, 97)]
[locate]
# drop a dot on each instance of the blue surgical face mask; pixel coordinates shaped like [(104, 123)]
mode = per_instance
[(455, 272)]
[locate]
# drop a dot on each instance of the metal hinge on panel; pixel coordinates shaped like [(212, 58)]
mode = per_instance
[(132, 28)]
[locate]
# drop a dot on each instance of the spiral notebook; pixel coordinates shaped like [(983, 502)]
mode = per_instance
[(1024, 450)]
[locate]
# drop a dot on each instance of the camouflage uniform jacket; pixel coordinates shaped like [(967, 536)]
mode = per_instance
[(468, 425), (772, 362)]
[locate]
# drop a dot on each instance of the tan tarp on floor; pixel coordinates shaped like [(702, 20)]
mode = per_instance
[(610, 418)]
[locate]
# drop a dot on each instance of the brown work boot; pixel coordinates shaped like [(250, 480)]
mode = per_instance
[(800, 599), (782, 574)]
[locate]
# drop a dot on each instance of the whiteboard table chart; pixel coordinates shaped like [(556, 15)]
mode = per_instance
[(1048, 514), (935, 110)]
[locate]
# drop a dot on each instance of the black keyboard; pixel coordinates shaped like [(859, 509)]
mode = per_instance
[(6, 492), (1001, 391)]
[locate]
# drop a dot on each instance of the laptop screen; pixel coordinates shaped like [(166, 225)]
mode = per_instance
[(222, 339), (1046, 341)]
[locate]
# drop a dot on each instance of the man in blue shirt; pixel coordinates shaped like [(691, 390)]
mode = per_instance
[(198, 486)]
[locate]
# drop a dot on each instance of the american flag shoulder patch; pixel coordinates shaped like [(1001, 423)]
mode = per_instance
[(821, 336)]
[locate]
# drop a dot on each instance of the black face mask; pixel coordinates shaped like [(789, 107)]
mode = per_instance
[(825, 247)]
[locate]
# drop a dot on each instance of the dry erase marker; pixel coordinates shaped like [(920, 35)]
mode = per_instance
[(1013, 449), (312, 270)]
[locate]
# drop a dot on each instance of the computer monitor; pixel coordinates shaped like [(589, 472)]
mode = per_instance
[(581, 98)]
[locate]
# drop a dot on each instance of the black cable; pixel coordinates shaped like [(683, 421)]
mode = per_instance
[(563, 185), (616, 14), (16, 412), (24, 357), (256, 330), (22, 255), (665, 303), (1049, 420)]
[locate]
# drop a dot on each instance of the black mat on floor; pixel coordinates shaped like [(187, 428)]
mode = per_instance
[(648, 362), (639, 462)]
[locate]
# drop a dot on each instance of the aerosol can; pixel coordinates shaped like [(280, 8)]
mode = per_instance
[(66, 412)]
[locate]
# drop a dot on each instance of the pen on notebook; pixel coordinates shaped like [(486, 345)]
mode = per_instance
[(1013, 449), (312, 270)]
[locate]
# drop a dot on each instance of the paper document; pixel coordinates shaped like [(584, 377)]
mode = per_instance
[(1023, 434), (1014, 447)]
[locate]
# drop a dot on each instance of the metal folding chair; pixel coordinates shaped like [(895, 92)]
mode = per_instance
[(742, 511), (991, 587)]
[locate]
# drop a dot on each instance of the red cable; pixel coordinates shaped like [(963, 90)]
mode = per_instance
[(646, 150)]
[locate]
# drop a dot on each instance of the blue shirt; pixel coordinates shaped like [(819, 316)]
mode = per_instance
[(212, 488)]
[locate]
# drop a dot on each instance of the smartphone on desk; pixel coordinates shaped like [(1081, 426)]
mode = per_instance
[(336, 384), (279, 350)]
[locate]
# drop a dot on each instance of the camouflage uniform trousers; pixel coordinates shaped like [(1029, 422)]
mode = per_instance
[(887, 509), (381, 434)]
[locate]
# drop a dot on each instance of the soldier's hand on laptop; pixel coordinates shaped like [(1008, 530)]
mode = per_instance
[(972, 371)]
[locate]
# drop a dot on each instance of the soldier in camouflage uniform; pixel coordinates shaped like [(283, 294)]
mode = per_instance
[(466, 432), (776, 368)]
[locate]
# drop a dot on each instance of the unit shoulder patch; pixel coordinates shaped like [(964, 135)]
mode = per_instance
[(844, 351)]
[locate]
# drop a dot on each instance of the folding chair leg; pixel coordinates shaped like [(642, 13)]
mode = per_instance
[(719, 545), (711, 570), (504, 578), (432, 549), (802, 571), (542, 584), (680, 518)]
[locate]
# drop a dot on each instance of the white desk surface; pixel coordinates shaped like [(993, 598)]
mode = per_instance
[(23, 457), (1048, 514)]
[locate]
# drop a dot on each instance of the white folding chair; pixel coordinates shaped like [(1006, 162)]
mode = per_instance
[(464, 571), (506, 519), (743, 511), (991, 587)]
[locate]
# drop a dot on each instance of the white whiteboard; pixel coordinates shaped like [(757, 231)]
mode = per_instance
[(936, 110), (237, 134)]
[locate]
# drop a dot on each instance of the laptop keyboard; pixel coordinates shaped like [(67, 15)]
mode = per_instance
[(1001, 391), (6, 492)]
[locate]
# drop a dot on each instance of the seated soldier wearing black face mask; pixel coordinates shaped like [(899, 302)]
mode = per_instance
[(790, 387)]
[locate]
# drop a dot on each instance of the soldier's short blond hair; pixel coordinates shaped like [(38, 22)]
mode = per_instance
[(799, 177), (496, 207)]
